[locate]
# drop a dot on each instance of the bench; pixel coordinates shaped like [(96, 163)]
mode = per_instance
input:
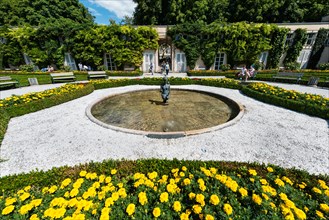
[(288, 75), (97, 74), (62, 77), (7, 81), (313, 81)]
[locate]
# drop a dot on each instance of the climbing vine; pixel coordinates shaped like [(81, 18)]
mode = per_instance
[(294, 50), (318, 48), (277, 42)]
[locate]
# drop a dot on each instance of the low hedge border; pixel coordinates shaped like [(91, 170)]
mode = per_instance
[(13, 111), (287, 103)]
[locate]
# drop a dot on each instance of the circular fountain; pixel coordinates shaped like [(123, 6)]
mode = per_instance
[(143, 112)]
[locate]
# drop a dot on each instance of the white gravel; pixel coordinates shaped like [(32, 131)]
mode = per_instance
[(63, 135)]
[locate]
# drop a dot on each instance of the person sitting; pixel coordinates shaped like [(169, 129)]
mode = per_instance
[(252, 71), (50, 69), (244, 73)]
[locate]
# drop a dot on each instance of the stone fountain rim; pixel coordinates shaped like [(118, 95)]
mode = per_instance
[(167, 135)]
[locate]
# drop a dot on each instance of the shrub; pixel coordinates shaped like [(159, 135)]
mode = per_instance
[(292, 66), (225, 67), (324, 66), (27, 68)]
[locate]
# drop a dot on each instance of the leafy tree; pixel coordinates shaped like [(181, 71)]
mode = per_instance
[(277, 42), (318, 48)]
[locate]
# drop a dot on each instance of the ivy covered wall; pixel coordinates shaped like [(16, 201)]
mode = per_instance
[(242, 42), (318, 48)]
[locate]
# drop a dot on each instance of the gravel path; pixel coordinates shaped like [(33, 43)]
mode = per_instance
[(63, 135)]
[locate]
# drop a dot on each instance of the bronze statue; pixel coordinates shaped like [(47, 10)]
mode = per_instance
[(165, 89)]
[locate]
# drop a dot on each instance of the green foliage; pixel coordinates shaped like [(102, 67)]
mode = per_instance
[(242, 42), (125, 44), (125, 73), (225, 67), (294, 50), (38, 12), (277, 42), (314, 105), (292, 66), (317, 48), (324, 66), (27, 68), (262, 11)]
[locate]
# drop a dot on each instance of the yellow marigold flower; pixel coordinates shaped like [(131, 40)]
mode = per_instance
[(283, 196), (186, 181), (27, 188), (108, 179), (209, 217), (287, 180), (152, 175), (177, 206), (191, 195), (263, 181), (213, 170), (326, 192), (252, 180), (270, 169), (214, 199), (10, 201), (265, 196), (202, 188), (25, 209), (36, 202), (227, 209), (164, 197), (184, 216), (156, 212), (290, 204), (257, 199), (184, 168), (199, 198), (243, 192), (83, 173), (74, 192), (101, 178), (319, 214), (109, 202), (113, 171), (300, 214), (317, 190), (279, 182), (252, 172), (24, 196), (197, 209), (65, 183), (323, 184), (34, 217), (8, 210), (272, 205), (52, 189), (130, 209), (142, 198), (324, 207), (45, 190)]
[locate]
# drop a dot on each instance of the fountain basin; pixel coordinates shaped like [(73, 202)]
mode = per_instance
[(142, 112)]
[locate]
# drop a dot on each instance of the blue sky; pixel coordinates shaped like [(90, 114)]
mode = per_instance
[(103, 10)]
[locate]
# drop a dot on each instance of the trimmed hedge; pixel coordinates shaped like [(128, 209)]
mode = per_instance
[(297, 106), (12, 111)]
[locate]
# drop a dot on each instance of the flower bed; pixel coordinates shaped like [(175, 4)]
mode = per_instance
[(188, 192), (20, 105), (315, 105)]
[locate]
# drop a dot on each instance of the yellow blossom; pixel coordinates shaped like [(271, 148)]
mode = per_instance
[(197, 209), (228, 209), (156, 212), (324, 207), (209, 217), (257, 199), (243, 192), (214, 199), (164, 197), (7, 210), (252, 172), (130, 209), (177, 206)]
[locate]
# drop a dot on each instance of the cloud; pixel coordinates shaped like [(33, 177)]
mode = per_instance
[(94, 12), (118, 7)]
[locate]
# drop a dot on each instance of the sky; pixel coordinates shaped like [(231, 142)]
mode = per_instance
[(104, 10)]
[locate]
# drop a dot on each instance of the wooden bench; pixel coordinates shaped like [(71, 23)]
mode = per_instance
[(62, 77), (7, 81), (97, 75), (288, 75)]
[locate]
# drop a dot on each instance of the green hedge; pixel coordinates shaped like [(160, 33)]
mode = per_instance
[(17, 110), (297, 106)]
